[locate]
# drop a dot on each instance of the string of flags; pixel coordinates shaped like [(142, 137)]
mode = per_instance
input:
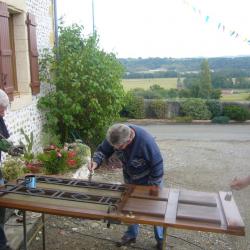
[(220, 25)]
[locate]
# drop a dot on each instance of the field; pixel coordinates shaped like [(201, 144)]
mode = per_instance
[(235, 97), (166, 83)]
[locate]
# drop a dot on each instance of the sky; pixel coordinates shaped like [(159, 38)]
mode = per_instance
[(164, 28)]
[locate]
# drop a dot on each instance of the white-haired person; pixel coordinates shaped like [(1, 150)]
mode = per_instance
[(9, 148), (142, 165)]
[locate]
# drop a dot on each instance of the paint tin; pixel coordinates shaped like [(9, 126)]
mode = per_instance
[(30, 181)]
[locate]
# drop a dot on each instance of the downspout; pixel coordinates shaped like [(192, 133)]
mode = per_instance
[(55, 23)]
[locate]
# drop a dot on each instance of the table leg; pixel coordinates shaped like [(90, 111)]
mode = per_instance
[(24, 231), (43, 221), (164, 243)]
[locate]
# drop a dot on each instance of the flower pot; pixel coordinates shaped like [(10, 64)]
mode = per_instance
[(34, 167)]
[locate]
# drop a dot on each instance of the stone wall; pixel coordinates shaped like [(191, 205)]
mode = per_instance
[(173, 107), (43, 11), (29, 117)]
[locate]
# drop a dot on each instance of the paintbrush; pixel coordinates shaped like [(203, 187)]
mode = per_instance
[(91, 173)]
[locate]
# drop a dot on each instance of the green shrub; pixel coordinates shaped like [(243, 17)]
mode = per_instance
[(214, 106), (157, 109), (88, 92), (82, 151), (54, 160), (13, 168), (196, 108), (183, 119), (215, 94), (134, 106), (236, 113), (220, 119)]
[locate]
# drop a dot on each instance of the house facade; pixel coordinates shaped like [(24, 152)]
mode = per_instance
[(26, 28)]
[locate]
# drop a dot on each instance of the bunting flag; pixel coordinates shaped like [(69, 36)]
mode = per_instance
[(220, 25)]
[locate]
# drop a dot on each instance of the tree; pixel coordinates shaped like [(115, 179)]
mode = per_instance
[(205, 80), (88, 92), (200, 86), (220, 80)]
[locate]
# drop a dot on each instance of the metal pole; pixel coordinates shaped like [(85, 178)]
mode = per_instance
[(93, 17), (164, 243), (55, 23), (24, 231), (43, 222)]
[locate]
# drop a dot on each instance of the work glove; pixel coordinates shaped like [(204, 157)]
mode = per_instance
[(16, 150)]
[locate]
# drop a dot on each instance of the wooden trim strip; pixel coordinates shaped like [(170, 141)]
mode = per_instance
[(231, 212), (5, 52), (172, 206), (223, 222)]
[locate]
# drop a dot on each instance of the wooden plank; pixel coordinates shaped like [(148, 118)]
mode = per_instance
[(44, 201), (231, 212), (221, 213), (148, 207), (198, 213), (144, 210), (144, 192), (198, 198), (85, 190), (171, 211)]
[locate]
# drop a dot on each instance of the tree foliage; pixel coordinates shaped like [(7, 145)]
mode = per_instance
[(195, 108), (230, 67), (205, 80), (200, 86), (88, 95), (133, 106)]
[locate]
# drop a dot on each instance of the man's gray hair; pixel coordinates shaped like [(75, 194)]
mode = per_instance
[(118, 134), (4, 99)]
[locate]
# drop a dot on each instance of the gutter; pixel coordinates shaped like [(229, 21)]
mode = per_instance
[(55, 23)]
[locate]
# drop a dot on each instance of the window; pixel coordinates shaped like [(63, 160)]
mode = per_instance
[(19, 71)]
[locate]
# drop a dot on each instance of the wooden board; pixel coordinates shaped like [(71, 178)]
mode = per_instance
[(231, 212), (171, 213), (198, 198), (148, 207), (183, 209), (144, 192), (198, 213)]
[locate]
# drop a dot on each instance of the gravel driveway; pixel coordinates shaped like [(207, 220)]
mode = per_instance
[(197, 157)]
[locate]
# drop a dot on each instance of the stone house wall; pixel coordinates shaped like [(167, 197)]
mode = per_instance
[(28, 116)]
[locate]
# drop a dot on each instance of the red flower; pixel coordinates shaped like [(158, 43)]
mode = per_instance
[(71, 154), (71, 163)]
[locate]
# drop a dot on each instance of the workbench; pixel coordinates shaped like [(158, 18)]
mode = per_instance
[(129, 204)]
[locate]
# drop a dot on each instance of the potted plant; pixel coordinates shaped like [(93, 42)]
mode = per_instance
[(13, 168), (78, 153), (31, 162), (54, 160)]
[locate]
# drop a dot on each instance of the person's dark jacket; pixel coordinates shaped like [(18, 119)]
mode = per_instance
[(4, 134), (142, 160)]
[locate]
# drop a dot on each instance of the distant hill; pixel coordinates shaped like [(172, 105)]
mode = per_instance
[(234, 66)]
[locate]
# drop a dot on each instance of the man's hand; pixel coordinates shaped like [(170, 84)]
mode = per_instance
[(92, 166), (16, 150), (238, 184)]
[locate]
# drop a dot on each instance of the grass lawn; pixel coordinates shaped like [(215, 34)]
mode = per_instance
[(166, 83), (235, 97)]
